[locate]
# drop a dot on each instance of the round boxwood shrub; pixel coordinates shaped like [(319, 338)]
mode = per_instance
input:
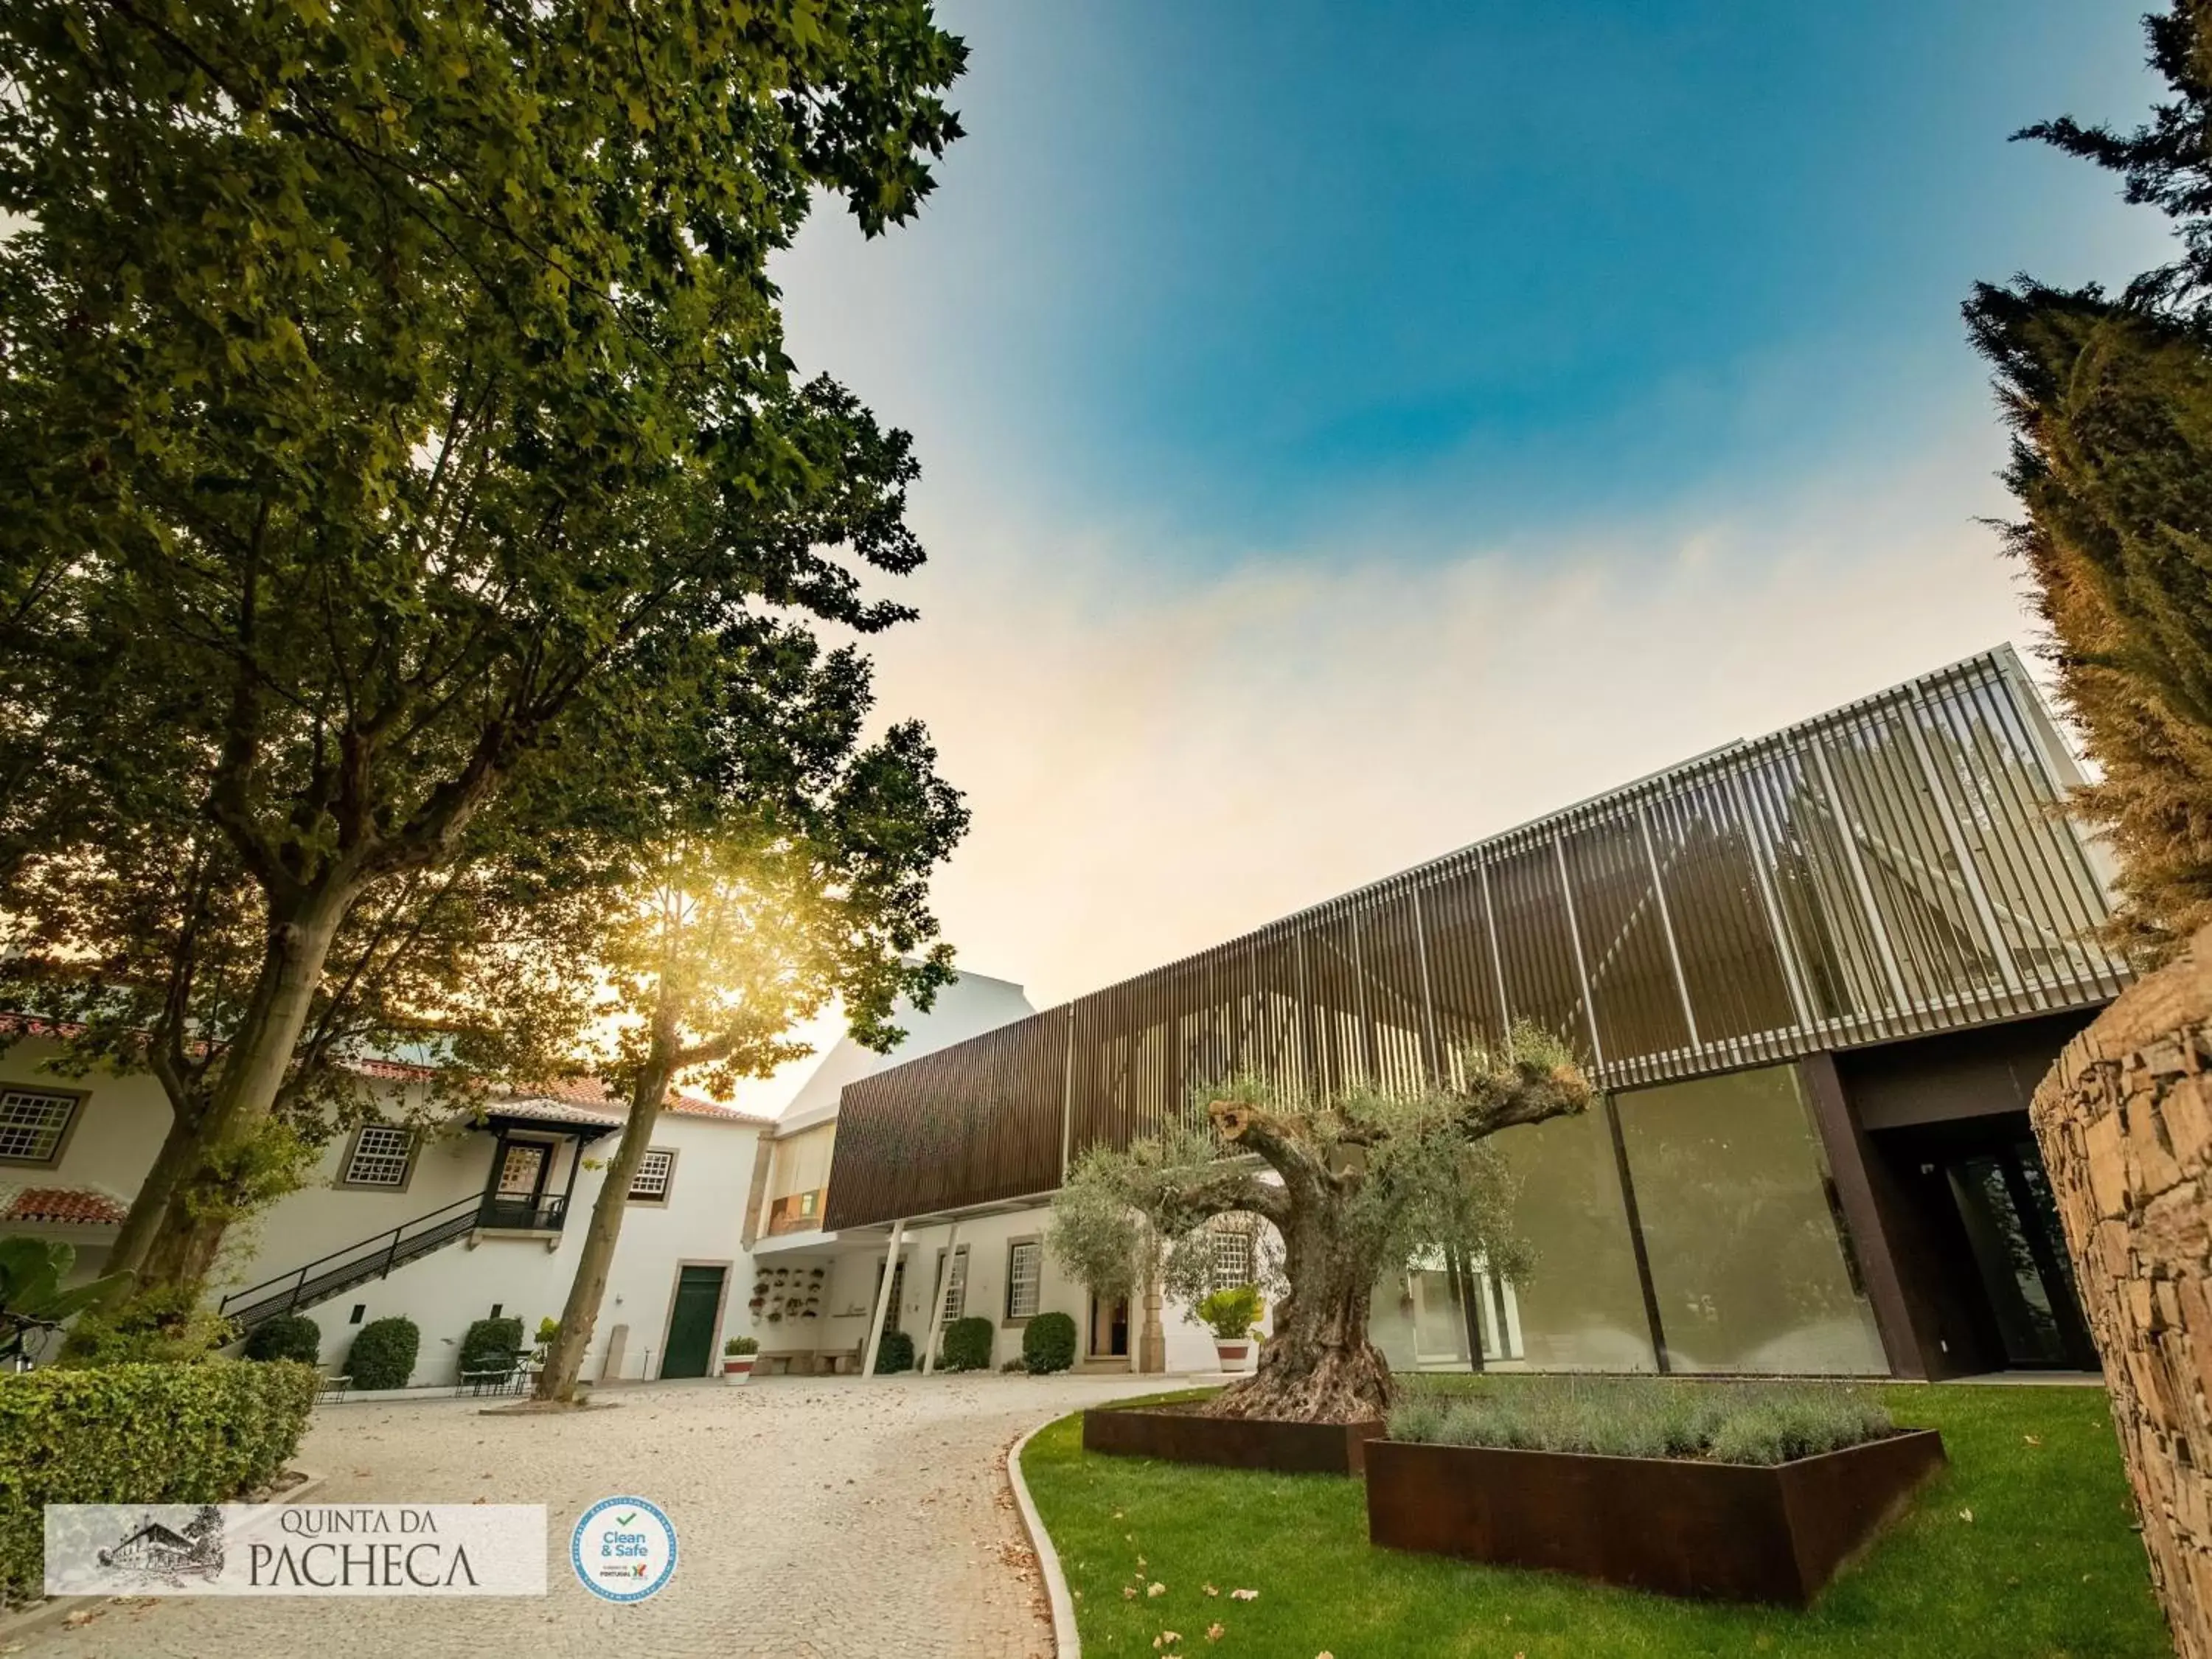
[(967, 1346), (287, 1336), (491, 1345), (895, 1354), (1048, 1344), (383, 1355)]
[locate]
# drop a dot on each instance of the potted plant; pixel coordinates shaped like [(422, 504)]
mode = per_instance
[(1232, 1312), (738, 1358)]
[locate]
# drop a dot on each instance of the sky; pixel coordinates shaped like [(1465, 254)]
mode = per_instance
[(1348, 432)]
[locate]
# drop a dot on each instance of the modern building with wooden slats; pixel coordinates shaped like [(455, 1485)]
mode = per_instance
[(1815, 974)]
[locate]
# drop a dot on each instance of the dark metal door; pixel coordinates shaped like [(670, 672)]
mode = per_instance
[(691, 1324)]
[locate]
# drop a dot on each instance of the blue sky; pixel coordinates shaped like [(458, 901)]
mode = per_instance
[(1350, 430), (1271, 269)]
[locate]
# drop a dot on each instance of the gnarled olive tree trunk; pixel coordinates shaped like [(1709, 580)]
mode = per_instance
[(2124, 1120), (1319, 1366)]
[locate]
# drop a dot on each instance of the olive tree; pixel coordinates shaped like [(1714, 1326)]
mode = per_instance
[(1353, 1183)]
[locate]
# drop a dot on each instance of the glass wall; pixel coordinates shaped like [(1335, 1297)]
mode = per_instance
[(1582, 1308), (1749, 1261)]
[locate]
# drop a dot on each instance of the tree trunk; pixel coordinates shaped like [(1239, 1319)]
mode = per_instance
[(2124, 1120), (1318, 1367), (183, 1243), (579, 1315), (179, 1151)]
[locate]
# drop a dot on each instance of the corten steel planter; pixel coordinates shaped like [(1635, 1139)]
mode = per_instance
[(1735, 1532), (1180, 1435)]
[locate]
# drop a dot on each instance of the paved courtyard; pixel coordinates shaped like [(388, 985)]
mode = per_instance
[(829, 1518)]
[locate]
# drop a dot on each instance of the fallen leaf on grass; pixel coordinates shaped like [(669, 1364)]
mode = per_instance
[(1210, 1590), (1156, 1589), (1167, 1639), (1129, 1592), (1214, 1632), (2033, 1439), (1244, 1595), (1966, 1515)]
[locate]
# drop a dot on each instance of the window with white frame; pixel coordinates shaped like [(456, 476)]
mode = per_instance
[(381, 1155), (650, 1184), (1025, 1278), (32, 1123), (1232, 1255), (955, 1284)]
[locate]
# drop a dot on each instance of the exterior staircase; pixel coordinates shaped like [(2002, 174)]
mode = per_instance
[(374, 1258)]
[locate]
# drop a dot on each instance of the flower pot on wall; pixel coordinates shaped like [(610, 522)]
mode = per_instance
[(1233, 1355)]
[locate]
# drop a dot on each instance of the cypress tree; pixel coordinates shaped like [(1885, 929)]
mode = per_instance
[(2110, 400)]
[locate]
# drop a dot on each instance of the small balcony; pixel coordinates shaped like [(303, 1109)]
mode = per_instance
[(499, 1213)]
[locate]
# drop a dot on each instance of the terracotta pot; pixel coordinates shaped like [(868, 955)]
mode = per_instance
[(1232, 1354), (737, 1367)]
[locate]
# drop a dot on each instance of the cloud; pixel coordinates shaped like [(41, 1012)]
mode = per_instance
[(1158, 757)]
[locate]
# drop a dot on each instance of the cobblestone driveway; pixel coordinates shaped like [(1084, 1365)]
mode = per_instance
[(830, 1518)]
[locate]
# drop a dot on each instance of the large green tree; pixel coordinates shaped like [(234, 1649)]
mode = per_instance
[(392, 394), (137, 942), (784, 863), (2109, 399)]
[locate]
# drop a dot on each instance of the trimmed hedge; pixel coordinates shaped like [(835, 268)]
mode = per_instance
[(383, 1354), (491, 1345), (138, 1434), (287, 1336), (1048, 1343), (896, 1353), (968, 1345)]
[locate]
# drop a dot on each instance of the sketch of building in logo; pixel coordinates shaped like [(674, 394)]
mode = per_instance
[(156, 1552)]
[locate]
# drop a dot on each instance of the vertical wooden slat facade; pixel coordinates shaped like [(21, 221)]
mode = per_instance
[(1893, 868)]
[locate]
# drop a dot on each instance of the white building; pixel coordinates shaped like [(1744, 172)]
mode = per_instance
[(484, 1216), (478, 1217)]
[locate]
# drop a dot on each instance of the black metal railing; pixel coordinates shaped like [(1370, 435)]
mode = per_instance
[(374, 1257), (540, 1215)]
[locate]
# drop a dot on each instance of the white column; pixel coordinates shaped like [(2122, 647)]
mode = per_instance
[(884, 1297), (936, 1313)]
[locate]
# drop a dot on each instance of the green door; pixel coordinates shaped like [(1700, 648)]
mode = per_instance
[(691, 1329)]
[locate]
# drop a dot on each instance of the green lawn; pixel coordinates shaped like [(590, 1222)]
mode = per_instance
[(2025, 1549)]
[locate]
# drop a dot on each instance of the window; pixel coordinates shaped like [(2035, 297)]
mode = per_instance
[(33, 1125), (650, 1184), (955, 1284), (1024, 1276), (1232, 1255), (379, 1156)]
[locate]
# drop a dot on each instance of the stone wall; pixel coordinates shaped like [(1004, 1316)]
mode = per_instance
[(2125, 1119)]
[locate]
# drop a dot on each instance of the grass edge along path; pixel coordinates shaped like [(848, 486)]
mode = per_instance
[(2024, 1548)]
